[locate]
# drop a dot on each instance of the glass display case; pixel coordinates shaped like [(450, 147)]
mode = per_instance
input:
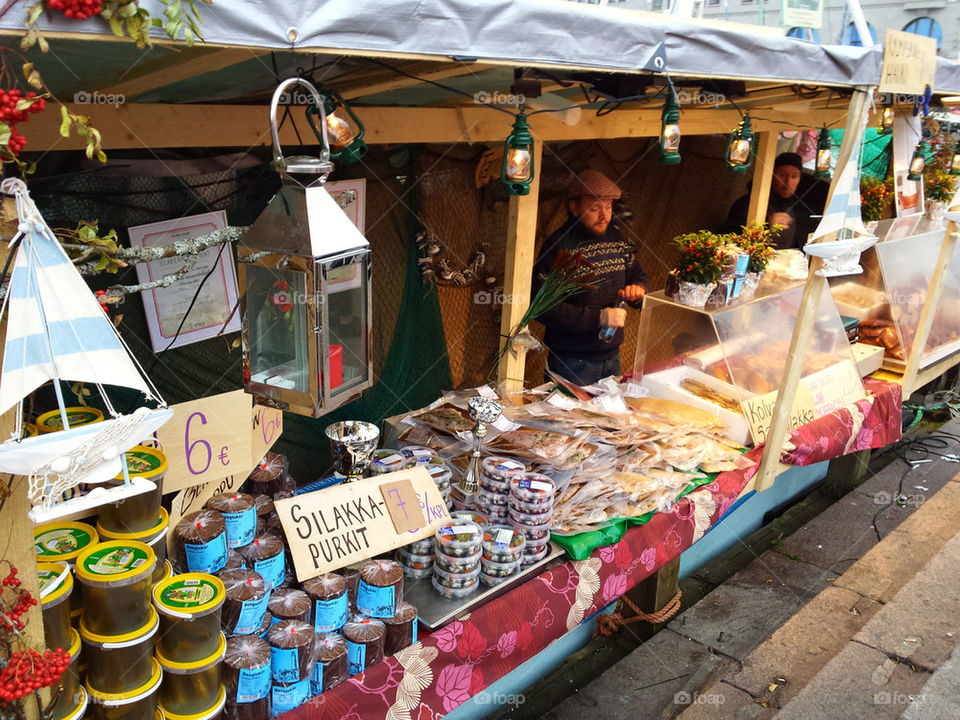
[(731, 360), (889, 297)]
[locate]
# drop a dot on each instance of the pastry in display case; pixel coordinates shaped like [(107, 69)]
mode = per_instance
[(888, 299), (731, 360)]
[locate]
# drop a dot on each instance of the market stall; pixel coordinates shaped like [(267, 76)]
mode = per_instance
[(619, 482)]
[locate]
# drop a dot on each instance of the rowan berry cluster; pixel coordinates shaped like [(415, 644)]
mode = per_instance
[(28, 670), (11, 116), (77, 9)]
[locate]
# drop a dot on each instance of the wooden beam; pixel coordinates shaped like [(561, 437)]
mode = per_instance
[(762, 176), (398, 82), (930, 306), (180, 67), (770, 464), (517, 279), (135, 125)]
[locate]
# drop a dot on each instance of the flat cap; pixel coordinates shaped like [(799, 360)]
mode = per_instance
[(593, 183)]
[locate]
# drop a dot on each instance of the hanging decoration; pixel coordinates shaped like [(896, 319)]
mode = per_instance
[(670, 130), (517, 169), (435, 265), (739, 155)]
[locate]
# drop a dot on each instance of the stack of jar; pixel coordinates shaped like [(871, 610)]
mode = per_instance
[(56, 589), (117, 629), (417, 559), (414, 455), (458, 550), (141, 517), (502, 554), (494, 492), (531, 509), (442, 474), (63, 542), (386, 460), (190, 646)]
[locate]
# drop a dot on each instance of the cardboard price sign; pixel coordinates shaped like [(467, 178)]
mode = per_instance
[(909, 64), (402, 505), (331, 528), (216, 436)]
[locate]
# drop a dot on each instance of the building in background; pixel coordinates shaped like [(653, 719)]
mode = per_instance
[(939, 19)]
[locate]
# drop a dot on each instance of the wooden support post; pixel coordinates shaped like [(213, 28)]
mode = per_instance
[(517, 273), (846, 472), (762, 176), (912, 374), (770, 465), (652, 594)]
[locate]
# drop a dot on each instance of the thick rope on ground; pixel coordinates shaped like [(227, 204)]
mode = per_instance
[(609, 624)]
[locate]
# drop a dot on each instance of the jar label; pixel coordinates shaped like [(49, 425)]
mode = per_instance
[(60, 541), (113, 560), (251, 615), (508, 465), (330, 615), (241, 527), (207, 557), (378, 602), (421, 455), (504, 538), (391, 459), (289, 697), (140, 462), (188, 593), (416, 622), (272, 570), (75, 416), (316, 679), (285, 665), (47, 577), (356, 657), (253, 684), (535, 485)]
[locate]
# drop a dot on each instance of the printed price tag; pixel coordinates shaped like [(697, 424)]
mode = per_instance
[(401, 500), (503, 538)]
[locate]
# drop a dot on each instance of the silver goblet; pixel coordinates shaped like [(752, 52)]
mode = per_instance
[(352, 443), (483, 411)]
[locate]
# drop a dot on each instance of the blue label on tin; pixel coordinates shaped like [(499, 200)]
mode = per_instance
[(241, 527), (316, 679), (291, 696), (251, 615), (253, 684), (272, 570), (415, 623), (330, 615), (356, 657), (378, 602), (285, 665), (208, 557)]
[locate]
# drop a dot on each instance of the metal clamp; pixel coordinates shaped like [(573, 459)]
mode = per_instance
[(322, 166)]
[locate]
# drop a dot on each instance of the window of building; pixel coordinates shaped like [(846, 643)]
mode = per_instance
[(851, 37), (811, 34), (713, 2), (656, 4), (926, 26)]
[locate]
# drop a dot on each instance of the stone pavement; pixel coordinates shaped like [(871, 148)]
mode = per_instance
[(827, 623)]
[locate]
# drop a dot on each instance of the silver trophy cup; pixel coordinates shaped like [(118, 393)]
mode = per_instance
[(352, 443)]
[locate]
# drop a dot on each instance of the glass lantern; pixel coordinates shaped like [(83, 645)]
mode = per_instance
[(307, 300)]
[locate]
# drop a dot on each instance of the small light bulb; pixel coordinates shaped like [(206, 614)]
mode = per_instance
[(886, 120), (917, 165), (955, 163), (340, 129), (671, 138), (823, 159), (518, 164), (739, 151)]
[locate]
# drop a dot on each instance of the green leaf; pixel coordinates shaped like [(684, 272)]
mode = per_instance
[(103, 262), (30, 39), (87, 233), (34, 12), (65, 122), (102, 157), (4, 134), (116, 27), (42, 42), (188, 36), (24, 103), (127, 10)]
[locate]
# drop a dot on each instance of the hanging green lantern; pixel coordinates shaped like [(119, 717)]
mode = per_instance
[(516, 172), (344, 129), (919, 161), (670, 131), (739, 155), (955, 160), (824, 154), (886, 119)]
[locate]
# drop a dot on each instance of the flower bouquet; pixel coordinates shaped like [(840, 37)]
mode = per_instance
[(699, 265)]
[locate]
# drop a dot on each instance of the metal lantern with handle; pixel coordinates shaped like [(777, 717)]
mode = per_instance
[(307, 300)]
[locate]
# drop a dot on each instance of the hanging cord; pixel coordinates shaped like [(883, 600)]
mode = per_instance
[(609, 624)]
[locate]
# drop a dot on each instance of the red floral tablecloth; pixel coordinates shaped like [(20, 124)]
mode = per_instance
[(870, 423), (446, 667)]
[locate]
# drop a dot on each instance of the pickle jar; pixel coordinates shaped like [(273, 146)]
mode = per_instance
[(139, 512), (115, 579), (56, 586), (192, 688), (137, 704), (119, 663), (189, 606), (68, 687), (155, 536), (214, 713), (79, 415), (200, 539)]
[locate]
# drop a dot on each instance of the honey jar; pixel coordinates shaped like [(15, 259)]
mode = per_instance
[(114, 579), (139, 512), (189, 607)]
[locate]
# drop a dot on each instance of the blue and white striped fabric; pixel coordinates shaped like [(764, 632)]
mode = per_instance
[(56, 328)]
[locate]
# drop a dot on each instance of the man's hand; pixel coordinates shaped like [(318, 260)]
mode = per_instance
[(781, 218), (633, 293), (613, 317)]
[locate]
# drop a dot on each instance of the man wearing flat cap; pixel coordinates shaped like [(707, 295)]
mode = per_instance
[(577, 351), (796, 202)]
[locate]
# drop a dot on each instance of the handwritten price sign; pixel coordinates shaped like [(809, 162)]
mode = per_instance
[(213, 437), (334, 527)]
